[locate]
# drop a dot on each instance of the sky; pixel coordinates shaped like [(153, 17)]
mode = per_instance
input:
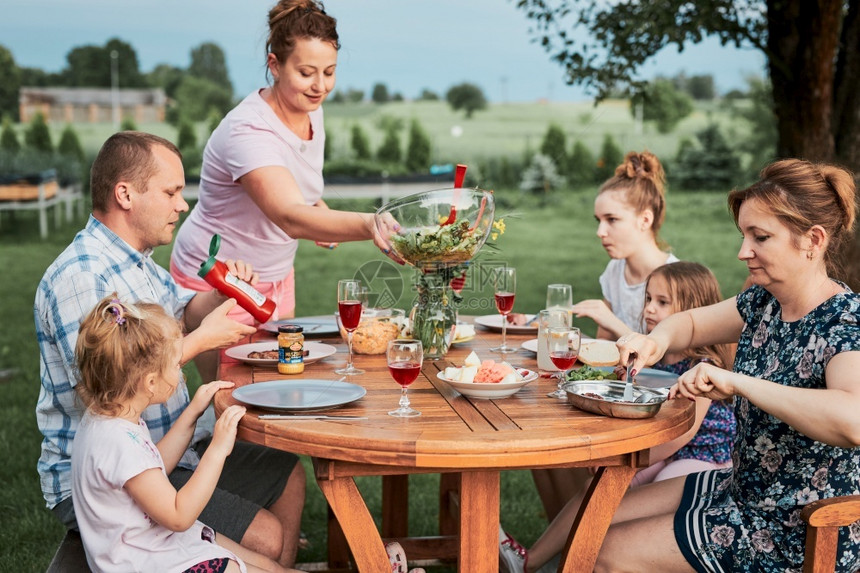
[(408, 45)]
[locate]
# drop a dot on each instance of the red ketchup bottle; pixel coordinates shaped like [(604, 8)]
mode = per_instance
[(216, 274)]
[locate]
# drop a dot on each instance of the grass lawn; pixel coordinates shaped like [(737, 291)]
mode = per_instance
[(551, 242)]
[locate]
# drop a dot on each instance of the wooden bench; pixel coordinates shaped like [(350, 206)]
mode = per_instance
[(70, 557)]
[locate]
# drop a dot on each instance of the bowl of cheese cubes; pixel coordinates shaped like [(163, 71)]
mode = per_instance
[(486, 379)]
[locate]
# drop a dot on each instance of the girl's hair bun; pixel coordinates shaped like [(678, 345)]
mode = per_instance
[(644, 165)]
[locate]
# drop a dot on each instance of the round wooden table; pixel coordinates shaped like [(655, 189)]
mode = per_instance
[(467, 440)]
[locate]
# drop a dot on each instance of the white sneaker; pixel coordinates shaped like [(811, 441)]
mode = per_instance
[(512, 556), (397, 559)]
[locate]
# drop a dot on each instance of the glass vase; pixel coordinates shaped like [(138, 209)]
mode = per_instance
[(434, 315)]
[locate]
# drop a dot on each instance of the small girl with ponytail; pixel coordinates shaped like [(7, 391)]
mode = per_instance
[(130, 516)]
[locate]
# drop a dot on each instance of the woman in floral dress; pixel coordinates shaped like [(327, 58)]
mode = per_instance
[(795, 388)]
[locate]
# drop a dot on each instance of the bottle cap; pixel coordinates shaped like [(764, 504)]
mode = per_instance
[(292, 328), (207, 265)]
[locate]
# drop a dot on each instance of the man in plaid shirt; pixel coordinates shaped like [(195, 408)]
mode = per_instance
[(136, 183)]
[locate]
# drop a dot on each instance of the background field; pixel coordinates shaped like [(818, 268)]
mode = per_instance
[(548, 241)]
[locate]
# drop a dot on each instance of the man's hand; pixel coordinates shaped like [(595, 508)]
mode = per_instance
[(218, 330)]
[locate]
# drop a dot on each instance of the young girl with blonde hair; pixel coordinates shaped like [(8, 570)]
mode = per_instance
[(630, 208), (130, 516), (669, 289)]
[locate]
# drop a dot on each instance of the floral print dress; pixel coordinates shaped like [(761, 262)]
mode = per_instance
[(747, 518)]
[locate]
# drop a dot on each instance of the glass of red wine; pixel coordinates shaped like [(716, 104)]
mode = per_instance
[(404, 363), (563, 346), (505, 288), (350, 301)]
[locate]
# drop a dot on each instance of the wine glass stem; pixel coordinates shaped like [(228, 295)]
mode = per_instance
[(404, 401), (349, 344), (504, 331)]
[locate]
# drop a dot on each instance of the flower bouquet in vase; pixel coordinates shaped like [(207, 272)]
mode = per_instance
[(437, 232)]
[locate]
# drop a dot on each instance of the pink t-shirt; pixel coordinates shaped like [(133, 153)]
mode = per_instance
[(250, 137), (117, 535)]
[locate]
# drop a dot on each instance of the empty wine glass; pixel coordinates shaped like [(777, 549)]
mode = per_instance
[(404, 363), (505, 288), (563, 346), (350, 300), (559, 296)]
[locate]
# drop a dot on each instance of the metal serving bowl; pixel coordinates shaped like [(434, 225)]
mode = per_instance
[(607, 398)]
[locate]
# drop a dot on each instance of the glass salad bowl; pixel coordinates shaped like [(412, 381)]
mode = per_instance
[(437, 228)]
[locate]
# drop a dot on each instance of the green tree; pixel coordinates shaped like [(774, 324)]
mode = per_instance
[(380, 93), (91, 66), (663, 104), (9, 138), (581, 165), (760, 144), (812, 49), (418, 148), (428, 95), (359, 142), (701, 87), (467, 97), (554, 146), (610, 157), (186, 137), (215, 118), (196, 98), (70, 144), (541, 176), (10, 83), (208, 63), (712, 164), (389, 151), (166, 77), (354, 96), (128, 124), (37, 78), (37, 136)]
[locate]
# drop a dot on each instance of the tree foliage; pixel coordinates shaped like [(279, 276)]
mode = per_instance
[(209, 63), (663, 104), (359, 142), (166, 77), (37, 136), (197, 98), (389, 151), (610, 157), (541, 176), (709, 164), (10, 84), (580, 165), (379, 94), (418, 148), (70, 144), (9, 138), (554, 146), (91, 66), (467, 97)]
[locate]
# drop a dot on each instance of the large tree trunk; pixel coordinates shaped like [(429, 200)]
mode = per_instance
[(814, 65)]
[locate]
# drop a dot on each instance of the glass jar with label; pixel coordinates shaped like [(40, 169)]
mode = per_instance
[(291, 349)]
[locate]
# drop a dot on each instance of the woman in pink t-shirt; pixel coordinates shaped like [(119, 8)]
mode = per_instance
[(261, 183)]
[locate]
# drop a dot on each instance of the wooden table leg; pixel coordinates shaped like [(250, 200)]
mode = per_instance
[(449, 504), (395, 506), (348, 506), (595, 514), (479, 522)]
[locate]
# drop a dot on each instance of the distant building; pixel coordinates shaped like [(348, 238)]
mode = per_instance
[(91, 105)]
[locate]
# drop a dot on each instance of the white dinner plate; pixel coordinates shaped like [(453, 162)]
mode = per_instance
[(305, 395), (531, 345), (486, 390), (312, 327), (316, 350), (494, 322)]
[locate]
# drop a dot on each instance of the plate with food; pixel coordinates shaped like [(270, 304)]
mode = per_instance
[(486, 379), (598, 353), (608, 399), (647, 378), (266, 353), (302, 395), (532, 344), (463, 333), (519, 324), (312, 327)]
